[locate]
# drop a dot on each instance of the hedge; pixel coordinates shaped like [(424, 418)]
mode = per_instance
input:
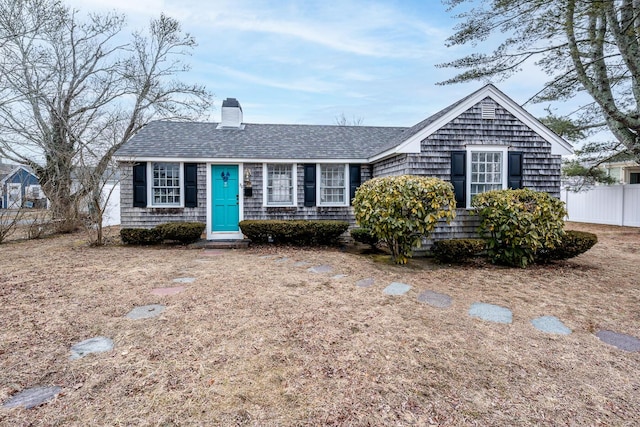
[(183, 232), (298, 232), (573, 244), (363, 235)]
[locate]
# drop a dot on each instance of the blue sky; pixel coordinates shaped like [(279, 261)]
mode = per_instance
[(311, 61)]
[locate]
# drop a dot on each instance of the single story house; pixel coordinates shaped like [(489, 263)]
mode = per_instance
[(222, 173), (19, 187)]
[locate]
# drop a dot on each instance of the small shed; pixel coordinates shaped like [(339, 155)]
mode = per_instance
[(20, 188)]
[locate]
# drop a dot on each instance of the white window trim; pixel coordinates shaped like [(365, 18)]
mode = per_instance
[(294, 173), (319, 185), (484, 149), (150, 186)]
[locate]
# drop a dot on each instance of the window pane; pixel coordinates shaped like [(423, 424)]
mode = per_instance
[(486, 173), (332, 184), (166, 184), (280, 184)]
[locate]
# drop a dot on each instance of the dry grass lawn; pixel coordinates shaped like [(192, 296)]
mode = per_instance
[(257, 341)]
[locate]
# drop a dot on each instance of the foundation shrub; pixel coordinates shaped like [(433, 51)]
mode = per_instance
[(183, 232), (457, 250), (518, 224), (140, 236), (363, 235), (573, 243), (297, 232), (401, 210)]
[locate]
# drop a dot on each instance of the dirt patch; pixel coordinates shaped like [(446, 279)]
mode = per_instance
[(256, 342)]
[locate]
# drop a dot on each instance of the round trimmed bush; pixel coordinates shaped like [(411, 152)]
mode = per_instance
[(401, 210), (573, 244), (519, 223)]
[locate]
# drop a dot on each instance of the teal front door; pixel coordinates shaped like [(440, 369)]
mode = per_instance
[(225, 198)]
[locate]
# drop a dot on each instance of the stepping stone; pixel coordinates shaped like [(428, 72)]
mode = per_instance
[(281, 260), (267, 256), (339, 276), (365, 283), (146, 311), (491, 313), (167, 291), (32, 397), (92, 345), (435, 299), (396, 288), (301, 264), (550, 324), (622, 341), (320, 269), (184, 280)]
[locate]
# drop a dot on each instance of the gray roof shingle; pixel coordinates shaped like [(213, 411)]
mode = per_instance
[(196, 140)]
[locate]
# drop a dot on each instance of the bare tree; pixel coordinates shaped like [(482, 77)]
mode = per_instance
[(73, 90), (590, 47), (342, 120)]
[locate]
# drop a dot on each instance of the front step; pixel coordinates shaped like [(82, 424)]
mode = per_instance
[(223, 244)]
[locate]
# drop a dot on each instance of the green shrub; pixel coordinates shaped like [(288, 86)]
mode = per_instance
[(363, 235), (401, 210), (298, 232), (183, 232), (518, 223), (140, 236), (457, 250), (573, 244)]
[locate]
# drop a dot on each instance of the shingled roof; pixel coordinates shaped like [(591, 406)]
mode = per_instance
[(196, 140)]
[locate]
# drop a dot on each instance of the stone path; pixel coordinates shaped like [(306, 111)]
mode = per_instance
[(92, 345), (146, 311), (622, 341), (491, 312), (33, 397)]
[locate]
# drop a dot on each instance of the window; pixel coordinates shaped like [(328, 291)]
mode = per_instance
[(280, 184), (333, 188), (634, 178), (165, 188), (486, 171)]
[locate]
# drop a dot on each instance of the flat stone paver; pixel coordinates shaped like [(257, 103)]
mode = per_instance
[(396, 288), (551, 325), (281, 260), (321, 269), (167, 291), (184, 280), (491, 313), (301, 264), (622, 341), (92, 345), (32, 397), (146, 311), (435, 299), (339, 276), (365, 283)]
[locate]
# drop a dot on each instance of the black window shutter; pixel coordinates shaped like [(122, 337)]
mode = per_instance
[(310, 185), (459, 176), (140, 185), (190, 185), (354, 181), (515, 170)]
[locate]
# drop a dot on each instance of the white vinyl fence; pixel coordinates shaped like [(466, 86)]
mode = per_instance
[(606, 204)]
